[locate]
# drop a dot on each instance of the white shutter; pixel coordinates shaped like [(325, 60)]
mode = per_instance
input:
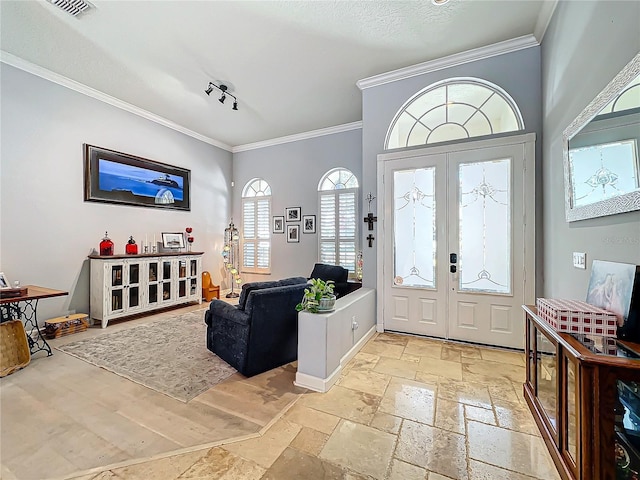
[(338, 228), (256, 235)]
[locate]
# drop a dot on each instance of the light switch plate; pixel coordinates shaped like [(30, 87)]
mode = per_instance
[(580, 260)]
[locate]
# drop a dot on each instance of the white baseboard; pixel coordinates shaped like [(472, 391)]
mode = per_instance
[(322, 385)]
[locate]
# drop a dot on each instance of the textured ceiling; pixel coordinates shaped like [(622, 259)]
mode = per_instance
[(292, 64)]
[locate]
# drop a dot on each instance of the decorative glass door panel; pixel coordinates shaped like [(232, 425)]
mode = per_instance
[(414, 217), (484, 248)]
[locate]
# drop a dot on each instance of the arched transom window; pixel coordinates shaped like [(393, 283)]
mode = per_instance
[(338, 206), (453, 109), (627, 99), (256, 238)]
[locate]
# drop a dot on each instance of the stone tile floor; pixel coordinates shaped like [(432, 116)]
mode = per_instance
[(405, 408)]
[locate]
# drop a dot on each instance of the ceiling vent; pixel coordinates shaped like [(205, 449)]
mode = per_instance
[(72, 7)]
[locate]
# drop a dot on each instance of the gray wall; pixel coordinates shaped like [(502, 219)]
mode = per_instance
[(518, 73), (293, 170), (47, 230), (586, 45)]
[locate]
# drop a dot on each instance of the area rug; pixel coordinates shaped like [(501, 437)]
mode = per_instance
[(169, 356)]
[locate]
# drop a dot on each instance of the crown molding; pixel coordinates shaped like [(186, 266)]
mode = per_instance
[(544, 18), (299, 136), (17, 62), (508, 46)]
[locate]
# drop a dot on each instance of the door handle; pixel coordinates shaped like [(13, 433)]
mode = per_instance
[(453, 268), (453, 258)]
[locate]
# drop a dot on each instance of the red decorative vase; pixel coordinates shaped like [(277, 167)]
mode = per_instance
[(131, 248), (106, 245)]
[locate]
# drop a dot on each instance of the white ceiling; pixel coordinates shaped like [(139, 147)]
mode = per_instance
[(292, 64)]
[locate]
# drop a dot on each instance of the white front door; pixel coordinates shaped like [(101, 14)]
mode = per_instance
[(458, 244)]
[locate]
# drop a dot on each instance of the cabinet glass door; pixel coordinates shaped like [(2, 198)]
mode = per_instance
[(116, 298), (547, 378), (133, 286), (572, 425), (152, 282), (627, 428), (167, 279)]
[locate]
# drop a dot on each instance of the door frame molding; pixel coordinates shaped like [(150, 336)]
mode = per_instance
[(528, 198)]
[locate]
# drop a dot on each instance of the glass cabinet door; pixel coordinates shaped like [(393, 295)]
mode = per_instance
[(116, 300), (153, 268), (167, 281), (133, 290), (571, 421), (627, 439), (546, 378)]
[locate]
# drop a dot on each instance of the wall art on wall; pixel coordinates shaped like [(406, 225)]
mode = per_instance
[(115, 177), (293, 233), (172, 240), (616, 288), (278, 224), (293, 214), (309, 224)]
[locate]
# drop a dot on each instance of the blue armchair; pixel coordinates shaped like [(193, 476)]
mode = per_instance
[(261, 333)]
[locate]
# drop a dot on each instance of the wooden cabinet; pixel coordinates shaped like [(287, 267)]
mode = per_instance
[(584, 393), (123, 285)]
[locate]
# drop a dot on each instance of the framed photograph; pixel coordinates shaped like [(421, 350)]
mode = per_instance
[(293, 214), (115, 177), (4, 282), (172, 240), (309, 224), (278, 224), (293, 233)]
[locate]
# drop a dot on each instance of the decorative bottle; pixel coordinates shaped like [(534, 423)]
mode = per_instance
[(106, 245), (131, 248)]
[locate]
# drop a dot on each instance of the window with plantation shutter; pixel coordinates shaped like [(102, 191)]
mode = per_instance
[(338, 201), (256, 238)]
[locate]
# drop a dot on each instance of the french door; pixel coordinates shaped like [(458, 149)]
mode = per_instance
[(457, 247)]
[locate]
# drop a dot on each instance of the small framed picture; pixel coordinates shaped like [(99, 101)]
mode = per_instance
[(278, 224), (309, 224), (172, 240), (293, 214), (293, 233), (4, 282)]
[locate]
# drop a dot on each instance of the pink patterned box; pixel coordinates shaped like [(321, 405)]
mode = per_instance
[(574, 316)]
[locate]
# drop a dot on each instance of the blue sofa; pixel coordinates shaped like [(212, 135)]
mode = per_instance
[(261, 333)]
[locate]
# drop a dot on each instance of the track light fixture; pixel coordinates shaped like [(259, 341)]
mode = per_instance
[(224, 89)]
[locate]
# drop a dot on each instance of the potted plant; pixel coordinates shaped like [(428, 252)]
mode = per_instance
[(319, 297)]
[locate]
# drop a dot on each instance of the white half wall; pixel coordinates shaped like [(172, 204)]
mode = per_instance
[(47, 229), (327, 341)]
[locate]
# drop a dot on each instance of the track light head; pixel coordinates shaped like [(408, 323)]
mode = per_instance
[(223, 97)]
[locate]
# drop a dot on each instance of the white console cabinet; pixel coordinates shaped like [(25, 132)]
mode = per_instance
[(123, 285)]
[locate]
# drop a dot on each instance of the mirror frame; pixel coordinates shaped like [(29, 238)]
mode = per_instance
[(622, 203)]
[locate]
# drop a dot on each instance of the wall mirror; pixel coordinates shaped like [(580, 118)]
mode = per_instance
[(600, 150)]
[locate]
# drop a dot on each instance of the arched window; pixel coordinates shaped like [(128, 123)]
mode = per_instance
[(628, 99), (256, 239), (453, 109), (338, 206)]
